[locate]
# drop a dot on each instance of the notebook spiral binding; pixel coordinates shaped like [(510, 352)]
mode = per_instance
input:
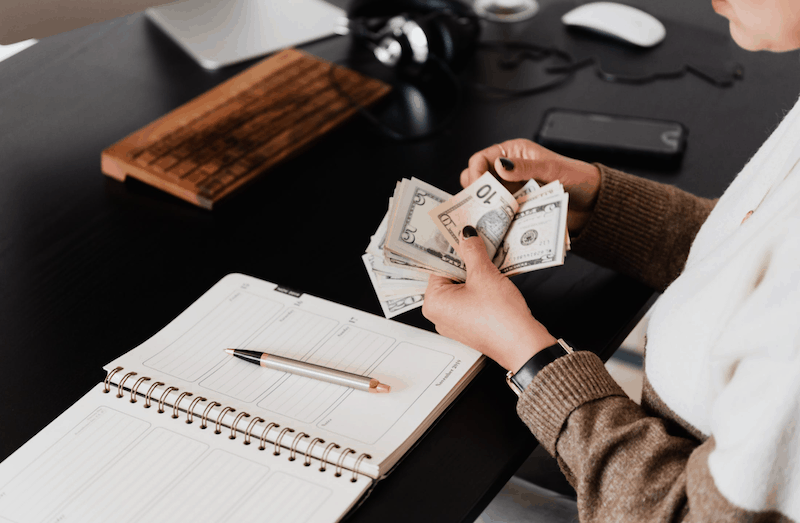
[(248, 432)]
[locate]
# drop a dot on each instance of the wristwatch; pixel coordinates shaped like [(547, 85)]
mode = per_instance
[(525, 374)]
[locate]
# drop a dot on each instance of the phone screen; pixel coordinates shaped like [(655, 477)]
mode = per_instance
[(605, 131)]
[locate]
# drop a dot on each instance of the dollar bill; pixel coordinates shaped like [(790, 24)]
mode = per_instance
[(544, 191), (394, 304), (535, 239), (532, 191), (418, 235), (528, 188), (485, 205), (412, 236), (398, 264), (390, 279)]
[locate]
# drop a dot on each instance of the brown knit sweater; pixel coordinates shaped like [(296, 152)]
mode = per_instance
[(629, 462)]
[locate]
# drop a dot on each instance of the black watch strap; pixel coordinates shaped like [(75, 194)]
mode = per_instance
[(519, 381)]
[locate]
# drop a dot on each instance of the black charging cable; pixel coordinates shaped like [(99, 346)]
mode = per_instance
[(518, 52), (736, 74), (523, 51), (515, 54)]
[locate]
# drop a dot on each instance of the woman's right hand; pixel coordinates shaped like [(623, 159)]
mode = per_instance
[(530, 160)]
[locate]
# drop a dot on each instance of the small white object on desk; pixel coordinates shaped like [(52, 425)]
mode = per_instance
[(619, 21), (7, 51), (506, 10)]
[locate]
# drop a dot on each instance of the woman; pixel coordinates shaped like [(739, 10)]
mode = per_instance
[(717, 437)]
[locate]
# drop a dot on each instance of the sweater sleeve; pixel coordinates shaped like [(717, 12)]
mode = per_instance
[(628, 466), (623, 465), (641, 228)]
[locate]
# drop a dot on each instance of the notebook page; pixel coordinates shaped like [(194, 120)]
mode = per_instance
[(106, 459), (244, 312)]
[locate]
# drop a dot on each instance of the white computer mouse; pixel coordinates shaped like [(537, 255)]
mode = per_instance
[(617, 21)]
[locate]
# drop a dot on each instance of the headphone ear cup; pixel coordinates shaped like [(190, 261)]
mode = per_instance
[(440, 41), (451, 38), (450, 27)]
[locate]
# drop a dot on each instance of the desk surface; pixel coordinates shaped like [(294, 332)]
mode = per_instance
[(92, 267)]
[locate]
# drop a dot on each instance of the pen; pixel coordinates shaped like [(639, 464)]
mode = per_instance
[(310, 370)]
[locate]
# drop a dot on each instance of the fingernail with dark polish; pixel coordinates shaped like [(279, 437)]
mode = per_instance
[(469, 231), (507, 164)]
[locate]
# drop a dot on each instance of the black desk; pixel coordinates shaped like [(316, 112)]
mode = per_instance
[(90, 268)]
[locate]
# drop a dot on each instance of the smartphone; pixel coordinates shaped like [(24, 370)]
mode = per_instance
[(596, 136)]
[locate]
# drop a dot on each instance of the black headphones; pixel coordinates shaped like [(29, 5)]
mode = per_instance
[(408, 34)]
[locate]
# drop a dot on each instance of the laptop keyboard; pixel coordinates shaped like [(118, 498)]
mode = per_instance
[(217, 142)]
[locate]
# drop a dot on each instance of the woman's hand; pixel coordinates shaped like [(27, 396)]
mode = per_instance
[(487, 313), (517, 161)]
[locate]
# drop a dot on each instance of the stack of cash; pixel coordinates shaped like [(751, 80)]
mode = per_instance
[(419, 235)]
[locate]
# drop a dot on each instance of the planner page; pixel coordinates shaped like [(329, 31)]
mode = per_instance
[(107, 459), (424, 370)]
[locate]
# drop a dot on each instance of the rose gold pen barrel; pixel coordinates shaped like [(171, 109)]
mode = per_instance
[(310, 370)]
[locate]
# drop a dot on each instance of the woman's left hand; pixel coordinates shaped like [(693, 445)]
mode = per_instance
[(487, 313)]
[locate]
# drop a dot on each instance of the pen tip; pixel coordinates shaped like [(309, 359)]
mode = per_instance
[(229, 351), (382, 387)]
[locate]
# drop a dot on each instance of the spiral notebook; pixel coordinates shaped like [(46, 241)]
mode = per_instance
[(180, 431)]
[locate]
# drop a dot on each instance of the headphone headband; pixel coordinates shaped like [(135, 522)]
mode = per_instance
[(388, 8)]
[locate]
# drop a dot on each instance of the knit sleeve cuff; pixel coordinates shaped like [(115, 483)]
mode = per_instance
[(560, 388), (627, 218)]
